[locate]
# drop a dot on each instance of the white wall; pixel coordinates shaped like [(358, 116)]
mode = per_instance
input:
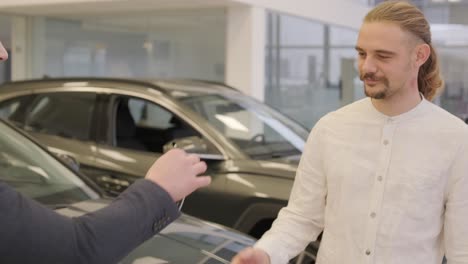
[(339, 12), (245, 50)]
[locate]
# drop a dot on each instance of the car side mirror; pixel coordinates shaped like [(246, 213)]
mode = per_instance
[(69, 160), (194, 145)]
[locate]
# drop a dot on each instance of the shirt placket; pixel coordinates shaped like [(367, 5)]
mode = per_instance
[(378, 189)]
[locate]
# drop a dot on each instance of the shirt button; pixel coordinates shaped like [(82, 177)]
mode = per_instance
[(368, 252), (385, 142), (373, 214), (380, 178)]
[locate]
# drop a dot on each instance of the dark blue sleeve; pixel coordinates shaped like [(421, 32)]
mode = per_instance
[(32, 233)]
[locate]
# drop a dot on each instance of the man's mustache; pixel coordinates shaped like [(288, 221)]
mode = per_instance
[(369, 76)]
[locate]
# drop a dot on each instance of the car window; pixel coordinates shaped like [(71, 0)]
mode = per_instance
[(149, 115), (253, 127), (63, 114), (15, 109), (146, 126)]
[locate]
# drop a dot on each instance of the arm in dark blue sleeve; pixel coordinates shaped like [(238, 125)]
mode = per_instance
[(31, 233)]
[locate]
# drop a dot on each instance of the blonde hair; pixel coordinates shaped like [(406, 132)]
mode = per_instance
[(409, 18)]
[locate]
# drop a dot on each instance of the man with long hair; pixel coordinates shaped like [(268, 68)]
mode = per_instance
[(385, 178)]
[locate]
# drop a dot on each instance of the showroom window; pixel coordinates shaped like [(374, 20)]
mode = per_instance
[(304, 70), (454, 65), (304, 60), (169, 44)]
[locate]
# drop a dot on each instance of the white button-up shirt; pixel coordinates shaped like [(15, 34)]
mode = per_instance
[(385, 190)]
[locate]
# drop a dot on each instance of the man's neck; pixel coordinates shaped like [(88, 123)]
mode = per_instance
[(398, 104)]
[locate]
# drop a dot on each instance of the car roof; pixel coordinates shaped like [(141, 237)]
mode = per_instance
[(173, 87)]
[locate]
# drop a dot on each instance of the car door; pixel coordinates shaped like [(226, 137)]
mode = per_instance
[(62, 121), (136, 133)]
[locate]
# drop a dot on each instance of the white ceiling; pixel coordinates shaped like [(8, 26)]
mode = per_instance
[(62, 8), (174, 19)]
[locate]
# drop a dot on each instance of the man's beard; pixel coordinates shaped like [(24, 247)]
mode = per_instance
[(379, 95), (382, 94)]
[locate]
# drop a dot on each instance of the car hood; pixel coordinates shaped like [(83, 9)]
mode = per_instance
[(279, 167), (187, 238)]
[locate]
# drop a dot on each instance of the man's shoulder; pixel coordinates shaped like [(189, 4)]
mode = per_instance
[(444, 118), (347, 112), (441, 120)]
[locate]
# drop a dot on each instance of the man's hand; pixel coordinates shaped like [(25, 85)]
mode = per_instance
[(176, 172), (251, 255)]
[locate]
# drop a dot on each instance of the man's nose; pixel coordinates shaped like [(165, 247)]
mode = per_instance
[(3, 53), (368, 65)]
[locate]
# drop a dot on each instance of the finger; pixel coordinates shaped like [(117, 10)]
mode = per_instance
[(236, 260), (202, 181), (244, 256), (200, 167), (175, 154), (193, 158)]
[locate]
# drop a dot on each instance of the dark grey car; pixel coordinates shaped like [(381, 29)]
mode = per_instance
[(116, 128), (33, 171)]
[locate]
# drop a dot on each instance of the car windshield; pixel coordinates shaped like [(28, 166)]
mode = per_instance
[(36, 174), (188, 240), (258, 130)]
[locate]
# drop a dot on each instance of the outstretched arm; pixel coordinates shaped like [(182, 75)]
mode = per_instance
[(30, 232)]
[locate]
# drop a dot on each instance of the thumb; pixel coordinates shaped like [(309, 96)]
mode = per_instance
[(247, 254)]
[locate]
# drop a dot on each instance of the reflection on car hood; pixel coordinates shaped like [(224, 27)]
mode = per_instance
[(280, 167), (187, 238)]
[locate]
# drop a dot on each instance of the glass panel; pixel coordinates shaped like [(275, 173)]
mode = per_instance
[(162, 250), (298, 31), (36, 174), (49, 115), (454, 66), (336, 57), (256, 129), (146, 126), (340, 36), (305, 68), (150, 115), (230, 250), (15, 109), (187, 247), (170, 44)]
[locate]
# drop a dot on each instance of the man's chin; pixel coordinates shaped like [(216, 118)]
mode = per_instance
[(374, 92)]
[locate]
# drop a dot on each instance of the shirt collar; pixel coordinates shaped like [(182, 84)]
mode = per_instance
[(415, 111)]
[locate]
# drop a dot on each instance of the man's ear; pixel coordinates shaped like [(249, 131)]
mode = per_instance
[(422, 52)]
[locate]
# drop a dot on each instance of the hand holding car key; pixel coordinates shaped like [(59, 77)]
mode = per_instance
[(178, 172)]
